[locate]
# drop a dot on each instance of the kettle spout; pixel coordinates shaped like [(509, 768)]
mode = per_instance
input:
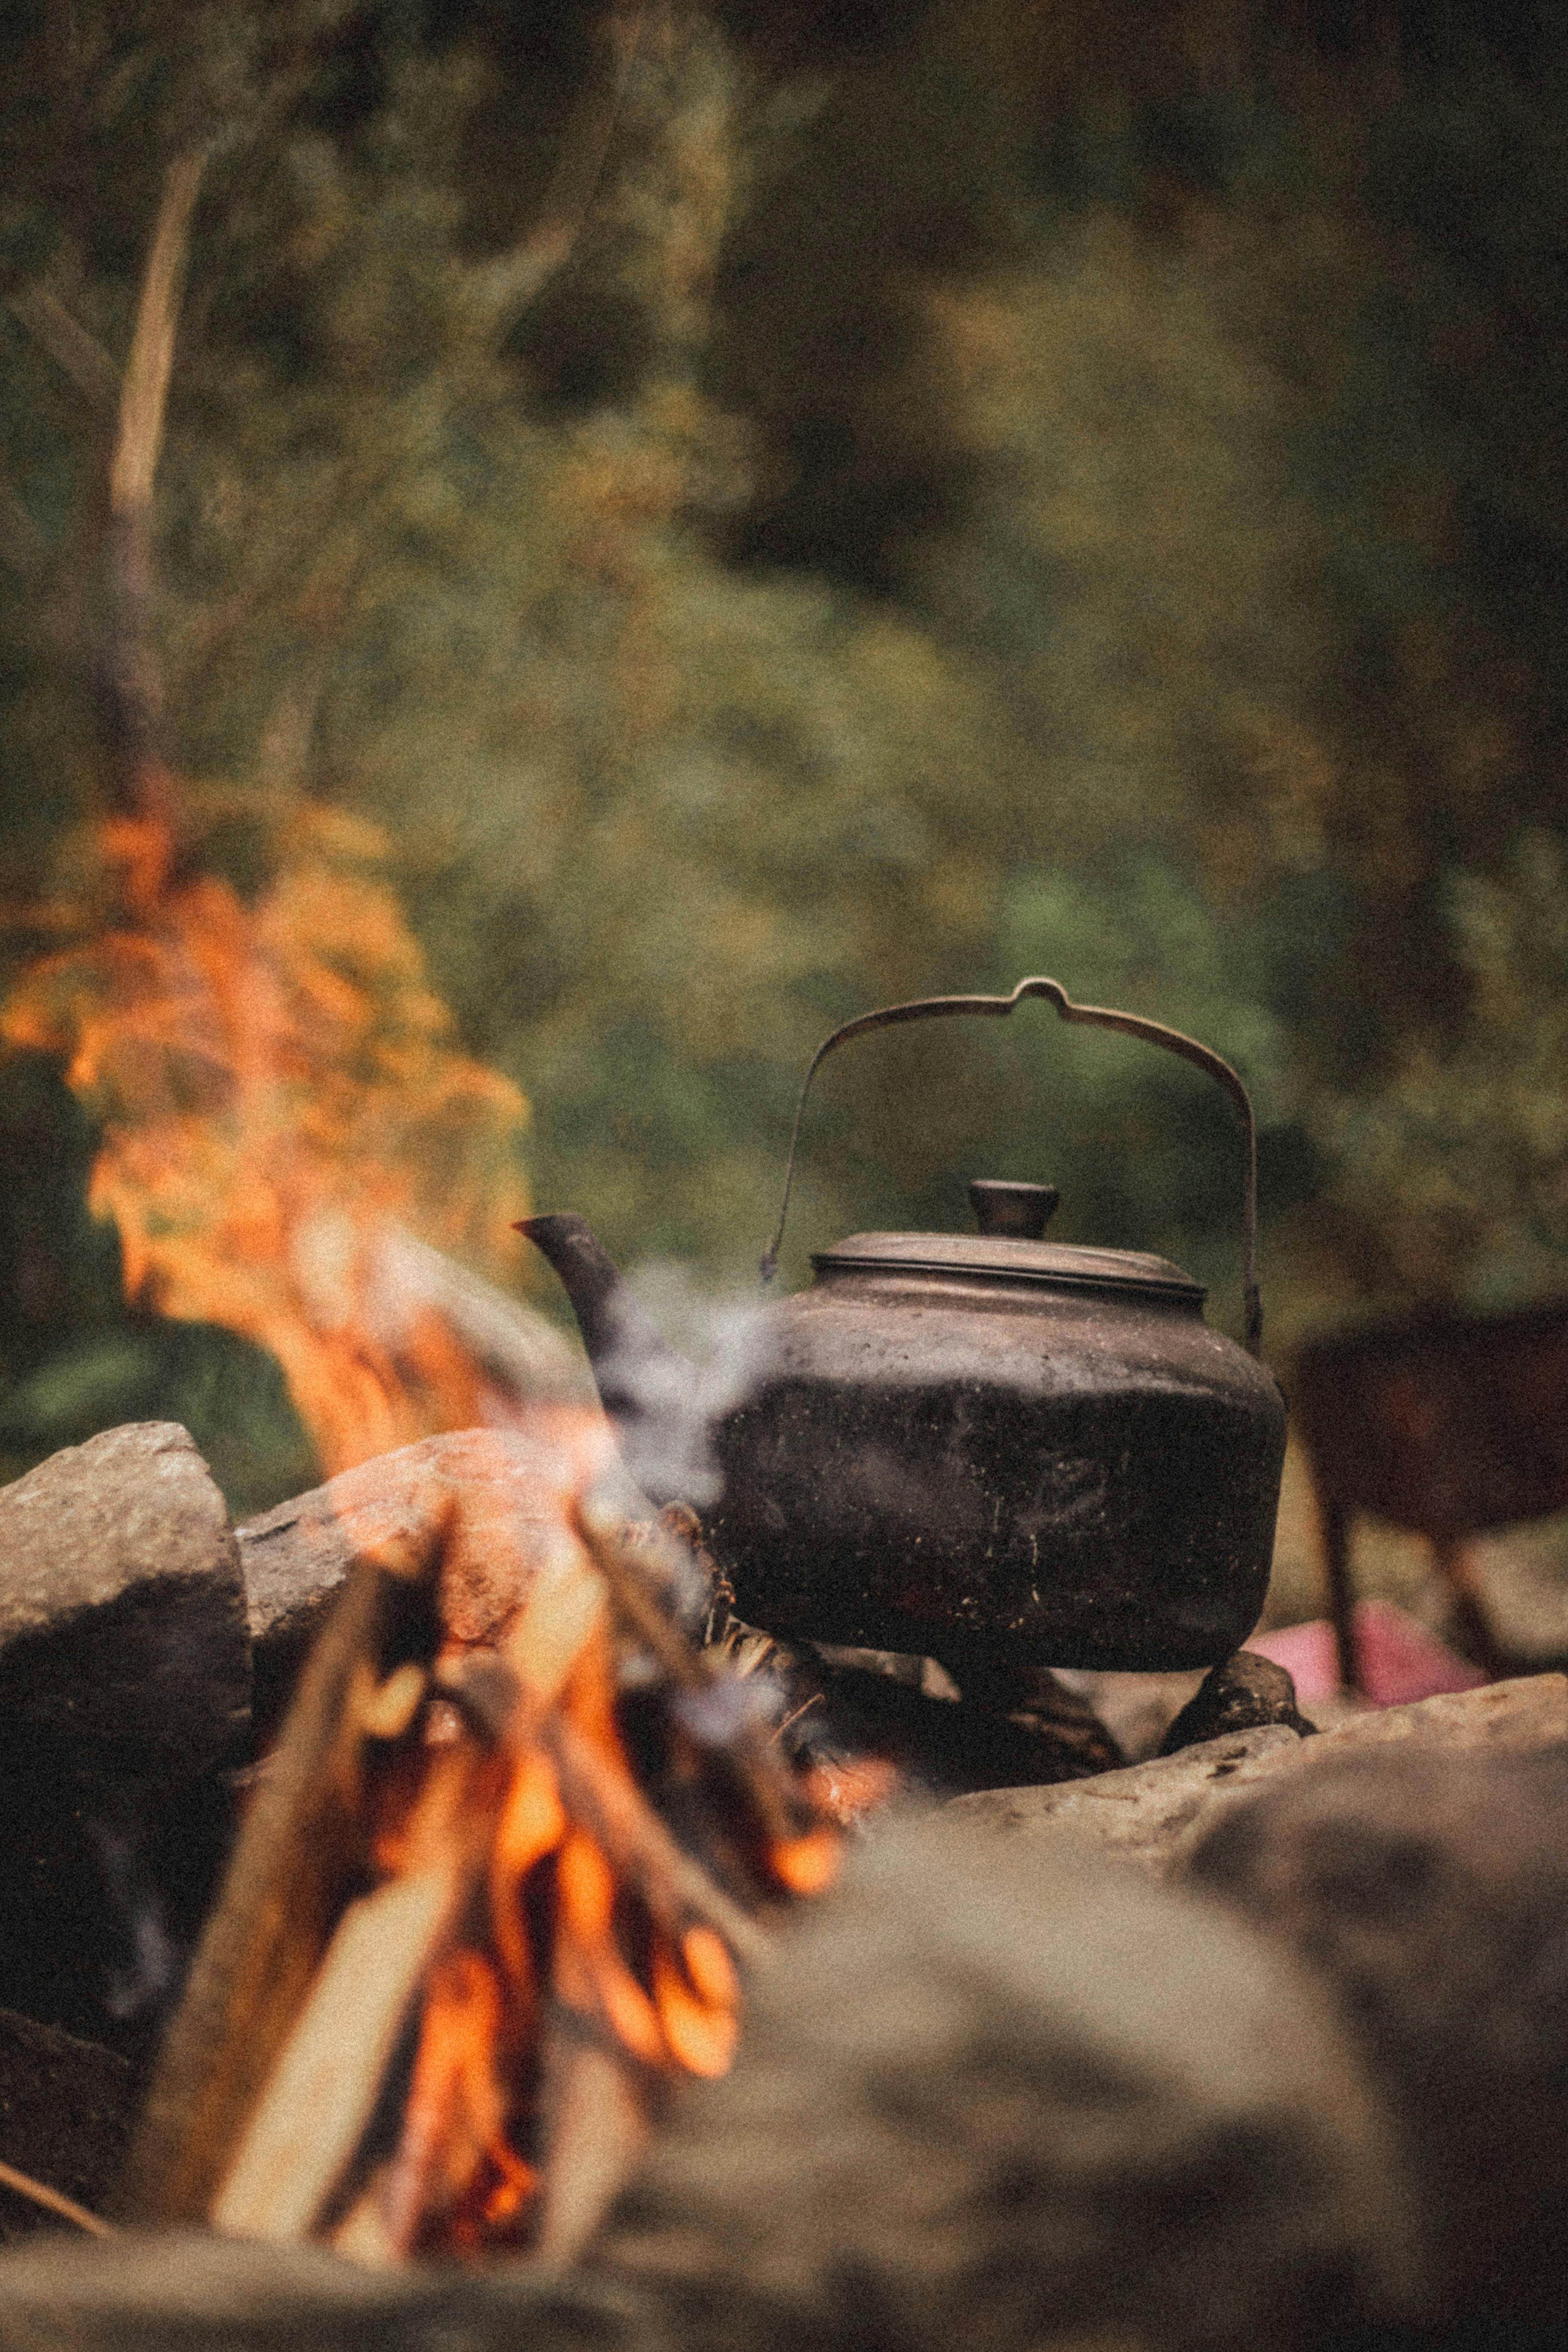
[(636, 1370)]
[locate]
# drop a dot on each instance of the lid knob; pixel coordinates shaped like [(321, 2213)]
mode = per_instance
[(1020, 1210)]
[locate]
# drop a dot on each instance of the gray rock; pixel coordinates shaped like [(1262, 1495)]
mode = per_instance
[(184, 2292), (481, 1493), (998, 2095), (1430, 1890), (122, 1617), (67, 2109), (1154, 1813), (1531, 1711), (293, 1559), (1147, 1813), (1242, 1694)]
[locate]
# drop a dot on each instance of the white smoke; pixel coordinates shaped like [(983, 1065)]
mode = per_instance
[(685, 1355)]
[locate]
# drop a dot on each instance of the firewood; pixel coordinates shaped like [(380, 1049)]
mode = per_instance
[(39, 2193), (304, 2133), (299, 1858), (598, 2121), (675, 1886), (503, 1952)]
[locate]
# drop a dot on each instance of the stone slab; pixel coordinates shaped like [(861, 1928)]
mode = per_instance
[(1154, 1813), (994, 2093), (122, 1622), (1147, 1813)]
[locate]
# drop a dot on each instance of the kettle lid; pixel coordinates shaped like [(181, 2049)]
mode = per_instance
[(998, 1257), (1010, 1248)]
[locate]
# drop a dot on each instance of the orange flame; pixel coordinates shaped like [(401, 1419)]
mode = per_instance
[(557, 1925), (279, 1088)]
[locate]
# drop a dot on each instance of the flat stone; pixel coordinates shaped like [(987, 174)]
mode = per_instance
[(1427, 1882), (493, 1497), (186, 2290), (1147, 1813), (122, 1623), (1154, 1813), (1006, 2095), (67, 2110), (1529, 1711)]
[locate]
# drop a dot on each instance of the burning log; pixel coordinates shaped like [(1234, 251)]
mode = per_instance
[(490, 1899), (863, 1733)]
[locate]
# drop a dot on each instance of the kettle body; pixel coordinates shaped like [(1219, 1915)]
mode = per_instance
[(992, 1451), (984, 1448)]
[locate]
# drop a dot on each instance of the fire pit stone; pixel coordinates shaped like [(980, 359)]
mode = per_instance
[(294, 1559), (1010, 2094), (1147, 1813), (121, 1612), (1242, 1694), (1428, 1887), (1154, 1813)]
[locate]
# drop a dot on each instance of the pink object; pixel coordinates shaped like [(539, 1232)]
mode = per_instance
[(1400, 1661)]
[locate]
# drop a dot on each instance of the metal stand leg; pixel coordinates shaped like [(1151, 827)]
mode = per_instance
[(1341, 1602), (1456, 1562)]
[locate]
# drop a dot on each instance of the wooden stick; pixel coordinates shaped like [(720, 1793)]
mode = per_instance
[(676, 1887), (597, 2124), (42, 2194), (140, 778), (323, 2090), (645, 1618), (299, 1854), (687, 1669), (151, 358)]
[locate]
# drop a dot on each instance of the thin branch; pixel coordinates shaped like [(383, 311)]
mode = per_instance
[(508, 283), (66, 2207), (135, 685), (688, 1668), (145, 391), (673, 1883), (74, 352)]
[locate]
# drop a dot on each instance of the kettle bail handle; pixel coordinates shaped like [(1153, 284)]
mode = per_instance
[(1132, 1024)]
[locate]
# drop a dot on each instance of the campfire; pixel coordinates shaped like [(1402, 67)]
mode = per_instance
[(517, 1841)]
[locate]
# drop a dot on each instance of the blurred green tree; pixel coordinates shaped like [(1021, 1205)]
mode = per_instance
[(783, 509)]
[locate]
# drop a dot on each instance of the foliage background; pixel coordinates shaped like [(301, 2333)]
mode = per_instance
[(989, 490)]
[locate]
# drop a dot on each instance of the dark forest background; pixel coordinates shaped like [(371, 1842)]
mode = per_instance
[(839, 503)]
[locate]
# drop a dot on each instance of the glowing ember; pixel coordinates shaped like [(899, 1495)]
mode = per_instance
[(278, 1091)]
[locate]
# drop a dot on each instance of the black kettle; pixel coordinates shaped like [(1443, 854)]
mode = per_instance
[(985, 1448)]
